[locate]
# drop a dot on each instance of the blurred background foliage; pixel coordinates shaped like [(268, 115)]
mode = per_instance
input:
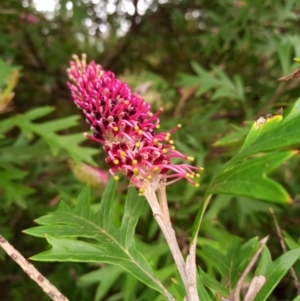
[(212, 65)]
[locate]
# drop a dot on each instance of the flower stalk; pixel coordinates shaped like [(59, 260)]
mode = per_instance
[(169, 234)]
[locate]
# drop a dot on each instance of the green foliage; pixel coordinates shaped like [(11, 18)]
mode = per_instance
[(274, 271), (243, 177), (14, 153), (47, 131), (216, 80), (111, 245)]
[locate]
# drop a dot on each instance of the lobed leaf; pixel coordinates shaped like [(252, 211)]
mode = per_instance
[(80, 234)]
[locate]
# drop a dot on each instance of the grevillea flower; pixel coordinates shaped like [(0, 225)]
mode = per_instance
[(122, 122)]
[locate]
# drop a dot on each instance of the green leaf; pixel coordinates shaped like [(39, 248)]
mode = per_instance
[(14, 191), (274, 271), (264, 262), (179, 287), (38, 112), (211, 283), (102, 241), (284, 51), (58, 124), (70, 143), (273, 135), (233, 263), (197, 68), (47, 131), (7, 124), (249, 178), (203, 295), (291, 243), (216, 257), (105, 276)]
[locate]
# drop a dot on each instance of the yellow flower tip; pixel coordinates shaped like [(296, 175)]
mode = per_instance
[(116, 178), (137, 144), (164, 150), (150, 114), (197, 175), (171, 141), (201, 168), (167, 138), (179, 126), (155, 141), (115, 128), (136, 128), (116, 161), (196, 185), (187, 175), (161, 109), (157, 126), (141, 190), (126, 102), (136, 171), (140, 132), (168, 134), (134, 162), (85, 134), (75, 58), (191, 159), (173, 147), (149, 177), (155, 168), (122, 154), (83, 60)]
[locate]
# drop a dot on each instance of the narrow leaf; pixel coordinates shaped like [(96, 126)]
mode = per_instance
[(249, 178), (275, 271), (38, 113)]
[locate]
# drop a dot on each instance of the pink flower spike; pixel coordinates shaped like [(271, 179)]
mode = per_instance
[(122, 122)]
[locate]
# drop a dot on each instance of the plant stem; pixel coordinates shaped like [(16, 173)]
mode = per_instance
[(170, 237), (191, 258), (163, 202), (31, 271)]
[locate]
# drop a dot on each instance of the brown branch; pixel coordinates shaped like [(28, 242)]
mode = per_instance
[(30, 51), (31, 271), (290, 76), (279, 91), (284, 249), (186, 93)]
